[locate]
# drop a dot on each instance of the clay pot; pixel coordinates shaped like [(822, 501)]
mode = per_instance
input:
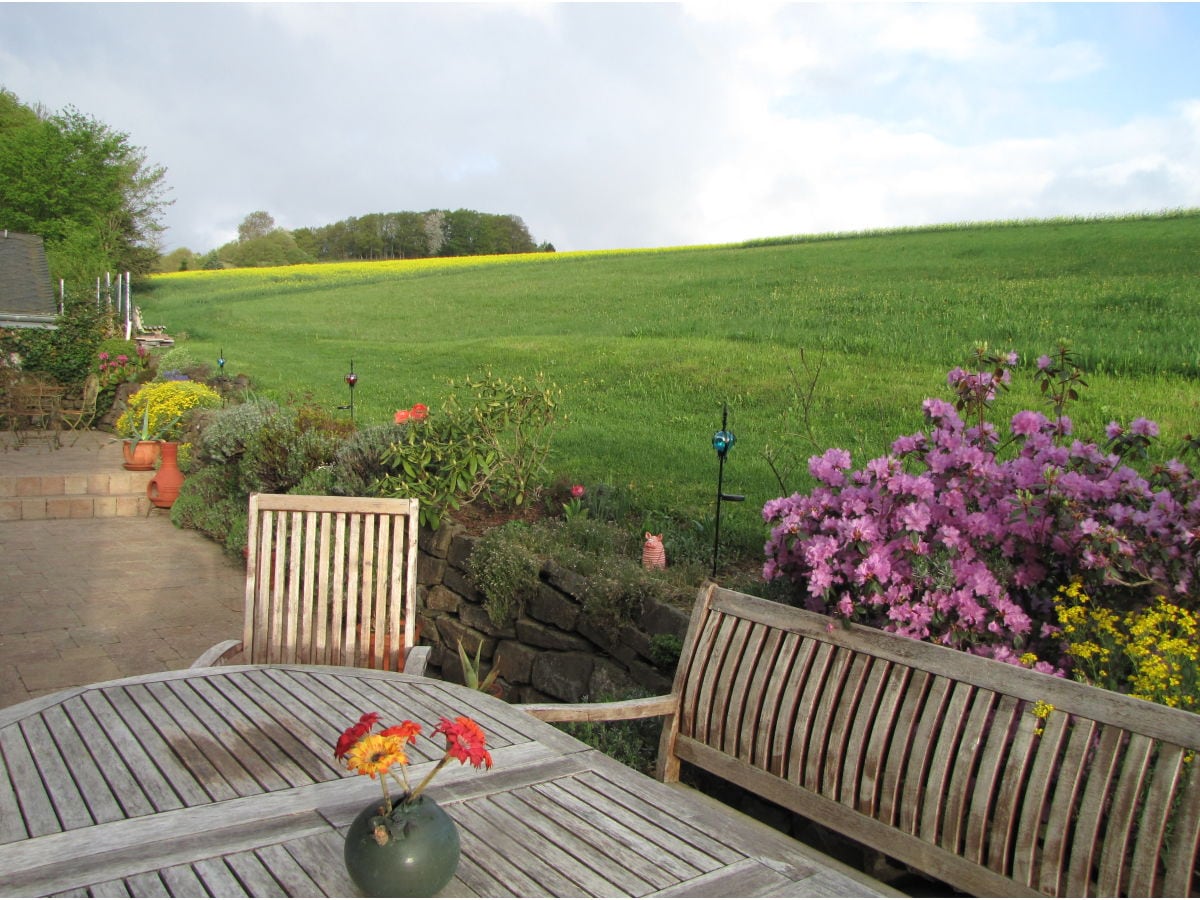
[(164, 486), (140, 456)]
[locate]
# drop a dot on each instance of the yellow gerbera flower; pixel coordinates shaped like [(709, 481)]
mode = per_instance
[(375, 754)]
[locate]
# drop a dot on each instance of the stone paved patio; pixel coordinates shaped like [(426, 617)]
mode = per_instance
[(89, 599)]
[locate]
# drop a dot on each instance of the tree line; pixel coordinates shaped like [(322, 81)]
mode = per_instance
[(98, 204), (394, 235)]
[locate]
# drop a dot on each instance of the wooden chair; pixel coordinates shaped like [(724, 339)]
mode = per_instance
[(78, 414), (330, 581)]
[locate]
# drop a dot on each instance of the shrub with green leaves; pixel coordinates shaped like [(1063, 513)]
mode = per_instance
[(505, 565), (359, 463), (226, 431), (492, 445)]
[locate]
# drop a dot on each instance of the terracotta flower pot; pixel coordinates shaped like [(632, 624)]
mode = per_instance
[(164, 487), (140, 456)]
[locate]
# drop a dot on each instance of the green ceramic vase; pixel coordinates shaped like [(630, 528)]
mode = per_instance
[(418, 859)]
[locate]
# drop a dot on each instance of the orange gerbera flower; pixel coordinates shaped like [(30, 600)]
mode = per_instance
[(375, 754)]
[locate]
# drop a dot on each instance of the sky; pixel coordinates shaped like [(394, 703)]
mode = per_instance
[(608, 126)]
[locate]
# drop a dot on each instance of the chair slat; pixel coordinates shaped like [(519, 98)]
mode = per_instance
[(756, 708)]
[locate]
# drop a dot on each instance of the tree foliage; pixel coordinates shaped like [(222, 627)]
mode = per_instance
[(83, 187), (416, 235)]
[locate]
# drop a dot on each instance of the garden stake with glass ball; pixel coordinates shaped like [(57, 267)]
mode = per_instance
[(351, 381), (722, 441)]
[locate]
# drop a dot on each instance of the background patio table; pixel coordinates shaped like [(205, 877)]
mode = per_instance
[(222, 781)]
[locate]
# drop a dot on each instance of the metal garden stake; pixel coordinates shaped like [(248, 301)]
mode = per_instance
[(722, 441)]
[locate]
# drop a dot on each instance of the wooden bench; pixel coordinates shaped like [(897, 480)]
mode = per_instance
[(932, 756)]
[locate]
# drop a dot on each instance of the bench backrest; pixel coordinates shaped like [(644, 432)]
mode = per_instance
[(331, 581), (936, 758)]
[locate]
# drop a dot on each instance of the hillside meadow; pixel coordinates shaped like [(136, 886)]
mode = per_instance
[(647, 346)]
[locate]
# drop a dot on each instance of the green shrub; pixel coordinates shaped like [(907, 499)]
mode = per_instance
[(665, 650), (493, 444), (505, 567), (280, 454), (210, 502), (359, 463), (225, 431)]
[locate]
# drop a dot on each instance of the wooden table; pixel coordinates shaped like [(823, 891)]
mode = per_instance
[(222, 782), (33, 409)]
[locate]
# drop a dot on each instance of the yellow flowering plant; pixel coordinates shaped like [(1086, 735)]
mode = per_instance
[(158, 411), (1151, 653)]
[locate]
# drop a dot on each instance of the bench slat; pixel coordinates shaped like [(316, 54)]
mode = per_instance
[(847, 723), (880, 737), (962, 782), (806, 714), (936, 825), (1038, 796), (821, 767), (785, 724), (916, 773), (1072, 775), (1180, 858), (1151, 829), (779, 656), (858, 745), (1091, 812), (897, 763), (1121, 819)]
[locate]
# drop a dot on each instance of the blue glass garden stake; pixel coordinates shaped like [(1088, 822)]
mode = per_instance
[(722, 442)]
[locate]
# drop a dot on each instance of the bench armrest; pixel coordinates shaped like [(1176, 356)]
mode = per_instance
[(645, 708)]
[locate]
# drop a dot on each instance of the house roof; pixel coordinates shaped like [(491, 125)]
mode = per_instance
[(26, 294)]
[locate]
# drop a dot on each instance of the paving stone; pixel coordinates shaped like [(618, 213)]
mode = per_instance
[(80, 599)]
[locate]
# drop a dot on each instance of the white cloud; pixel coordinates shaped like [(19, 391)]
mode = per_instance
[(626, 125)]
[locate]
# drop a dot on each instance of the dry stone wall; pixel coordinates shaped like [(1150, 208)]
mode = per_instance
[(549, 650)]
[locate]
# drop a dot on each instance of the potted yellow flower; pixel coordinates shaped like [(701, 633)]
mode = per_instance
[(153, 423), (407, 846)]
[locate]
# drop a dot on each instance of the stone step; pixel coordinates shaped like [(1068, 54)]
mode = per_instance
[(81, 496)]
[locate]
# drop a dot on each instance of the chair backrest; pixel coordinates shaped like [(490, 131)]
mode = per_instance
[(91, 391), (331, 581)]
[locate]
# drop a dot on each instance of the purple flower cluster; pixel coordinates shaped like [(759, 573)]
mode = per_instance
[(944, 540)]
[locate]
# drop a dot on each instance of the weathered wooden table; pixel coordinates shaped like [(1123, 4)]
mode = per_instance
[(222, 782)]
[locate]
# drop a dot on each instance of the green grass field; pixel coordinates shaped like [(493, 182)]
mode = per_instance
[(647, 345)]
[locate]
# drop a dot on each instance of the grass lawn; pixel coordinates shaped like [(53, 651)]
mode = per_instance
[(647, 346)]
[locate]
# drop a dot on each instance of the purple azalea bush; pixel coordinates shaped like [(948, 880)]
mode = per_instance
[(961, 537)]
